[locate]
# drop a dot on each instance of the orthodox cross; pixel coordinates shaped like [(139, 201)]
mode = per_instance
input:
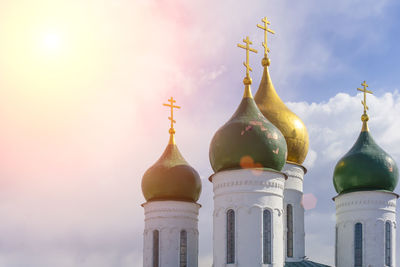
[(247, 48), (365, 91), (266, 31), (172, 106)]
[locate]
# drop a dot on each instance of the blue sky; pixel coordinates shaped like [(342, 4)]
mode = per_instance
[(81, 125)]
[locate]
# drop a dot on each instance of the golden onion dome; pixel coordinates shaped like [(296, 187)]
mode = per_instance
[(291, 126), (171, 177)]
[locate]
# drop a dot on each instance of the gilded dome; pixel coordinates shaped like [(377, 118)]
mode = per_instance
[(365, 167), (171, 178), (247, 140), (291, 126)]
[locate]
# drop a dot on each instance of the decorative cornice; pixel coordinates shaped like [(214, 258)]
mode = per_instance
[(171, 217), (337, 197), (365, 202), (252, 170), (295, 173), (249, 208), (280, 195), (168, 203), (296, 165), (170, 210), (270, 184)]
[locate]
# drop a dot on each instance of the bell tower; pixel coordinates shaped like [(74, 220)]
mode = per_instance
[(364, 179)]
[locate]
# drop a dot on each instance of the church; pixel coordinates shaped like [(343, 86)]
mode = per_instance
[(258, 217)]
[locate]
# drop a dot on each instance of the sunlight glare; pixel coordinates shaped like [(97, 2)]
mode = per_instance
[(51, 42)]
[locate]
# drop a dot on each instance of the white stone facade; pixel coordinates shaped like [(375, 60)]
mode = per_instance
[(248, 192), (170, 218), (293, 195), (372, 209)]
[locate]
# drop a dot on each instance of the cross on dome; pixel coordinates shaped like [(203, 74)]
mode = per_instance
[(172, 106), (364, 116), (365, 91), (266, 31), (247, 79)]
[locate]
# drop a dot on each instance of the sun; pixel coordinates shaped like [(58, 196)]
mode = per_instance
[(51, 42)]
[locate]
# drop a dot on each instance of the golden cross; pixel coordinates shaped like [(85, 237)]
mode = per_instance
[(247, 47), (172, 106), (266, 31), (365, 91)]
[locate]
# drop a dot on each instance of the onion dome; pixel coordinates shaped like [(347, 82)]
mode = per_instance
[(248, 139), (171, 177), (273, 108), (291, 126), (366, 166)]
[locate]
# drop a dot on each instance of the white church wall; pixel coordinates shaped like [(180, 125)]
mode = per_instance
[(248, 193), (293, 195), (170, 218), (372, 209)]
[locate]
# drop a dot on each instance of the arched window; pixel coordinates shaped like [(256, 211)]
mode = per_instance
[(388, 244), (336, 245), (183, 249), (289, 235), (230, 236), (267, 237), (358, 247), (156, 248)]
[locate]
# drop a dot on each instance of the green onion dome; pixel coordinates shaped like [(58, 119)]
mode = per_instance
[(171, 178), (248, 140), (365, 167)]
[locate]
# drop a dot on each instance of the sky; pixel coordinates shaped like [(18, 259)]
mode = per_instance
[(81, 90)]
